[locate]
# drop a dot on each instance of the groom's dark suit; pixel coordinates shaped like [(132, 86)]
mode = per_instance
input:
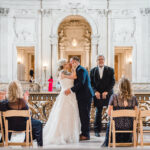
[(84, 93)]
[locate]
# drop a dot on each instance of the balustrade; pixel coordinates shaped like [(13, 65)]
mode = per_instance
[(41, 105)]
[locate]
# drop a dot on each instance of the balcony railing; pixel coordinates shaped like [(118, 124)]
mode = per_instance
[(41, 105)]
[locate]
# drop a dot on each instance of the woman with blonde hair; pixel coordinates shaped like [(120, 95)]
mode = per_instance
[(15, 96), (124, 99), (17, 101)]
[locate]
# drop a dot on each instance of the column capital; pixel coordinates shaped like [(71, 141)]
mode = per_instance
[(4, 11), (94, 39), (53, 39), (145, 11)]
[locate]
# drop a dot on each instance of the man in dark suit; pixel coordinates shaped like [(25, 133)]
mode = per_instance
[(84, 93), (102, 81)]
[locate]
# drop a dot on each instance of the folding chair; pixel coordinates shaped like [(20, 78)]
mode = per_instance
[(1, 130), (142, 115), (122, 113), (28, 131)]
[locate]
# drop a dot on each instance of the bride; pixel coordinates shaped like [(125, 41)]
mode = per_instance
[(63, 125)]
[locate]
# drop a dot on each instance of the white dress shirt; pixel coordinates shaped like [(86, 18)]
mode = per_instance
[(101, 70)]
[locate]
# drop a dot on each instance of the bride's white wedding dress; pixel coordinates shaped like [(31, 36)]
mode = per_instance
[(63, 125)]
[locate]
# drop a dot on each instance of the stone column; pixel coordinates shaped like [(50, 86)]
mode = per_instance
[(134, 64), (142, 48), (47, 42), (94, 50), (38, 51), (54, 57), (4, 54)]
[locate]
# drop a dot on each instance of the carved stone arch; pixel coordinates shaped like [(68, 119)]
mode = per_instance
[(54, 37), (58, 21)]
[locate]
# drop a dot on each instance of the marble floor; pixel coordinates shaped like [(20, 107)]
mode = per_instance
[(93, 144)]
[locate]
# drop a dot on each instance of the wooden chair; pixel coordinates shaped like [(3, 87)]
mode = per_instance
[(143, 114), (122, 113), (1, 129), (28, 131)]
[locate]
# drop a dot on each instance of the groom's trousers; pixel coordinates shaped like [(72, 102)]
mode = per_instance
[(84, 112)]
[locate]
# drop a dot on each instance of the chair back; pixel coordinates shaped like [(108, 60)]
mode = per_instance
[(28, 131), (123, 113), (16, 113), (144, 113), (113, 131)]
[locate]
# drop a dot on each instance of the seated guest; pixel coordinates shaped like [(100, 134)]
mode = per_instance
[(124, 99), (2, 95), (15, 101)]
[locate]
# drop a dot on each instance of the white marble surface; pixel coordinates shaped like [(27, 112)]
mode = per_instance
[(93, 144), (21, 25)]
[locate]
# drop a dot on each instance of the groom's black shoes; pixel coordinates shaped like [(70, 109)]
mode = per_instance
[(97, 134)]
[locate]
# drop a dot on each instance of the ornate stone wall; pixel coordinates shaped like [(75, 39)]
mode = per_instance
[(31, 23)]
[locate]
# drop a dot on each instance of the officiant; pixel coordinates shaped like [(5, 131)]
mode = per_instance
[(102, 81)]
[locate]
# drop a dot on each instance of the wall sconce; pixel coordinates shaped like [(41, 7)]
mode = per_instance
[(74, 42), (45, 67), (130, 60), (19, 60)]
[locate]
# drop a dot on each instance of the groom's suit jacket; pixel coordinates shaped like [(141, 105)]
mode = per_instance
[(101, 85), (82, 85)]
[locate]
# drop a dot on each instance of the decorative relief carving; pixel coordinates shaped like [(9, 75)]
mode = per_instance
[(124, 35), (75, 7), (24, 29), (53, 39), (124, 13), (124, 30), (101, 12), (145, 11), (4, 11), (25, 12), (83, 40), (46, 12)]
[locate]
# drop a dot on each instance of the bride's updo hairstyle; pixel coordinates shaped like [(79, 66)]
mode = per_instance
[(61, 64)]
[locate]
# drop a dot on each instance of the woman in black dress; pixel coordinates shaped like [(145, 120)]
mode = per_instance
[(124, 99)]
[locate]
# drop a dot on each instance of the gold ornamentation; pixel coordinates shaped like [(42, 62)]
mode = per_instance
[(41, 104)]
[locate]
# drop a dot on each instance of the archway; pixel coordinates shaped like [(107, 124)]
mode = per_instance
[(60, 19), (74, 38), (54, 40)]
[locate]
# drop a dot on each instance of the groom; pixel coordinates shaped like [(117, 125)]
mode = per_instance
[(84, 93)]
